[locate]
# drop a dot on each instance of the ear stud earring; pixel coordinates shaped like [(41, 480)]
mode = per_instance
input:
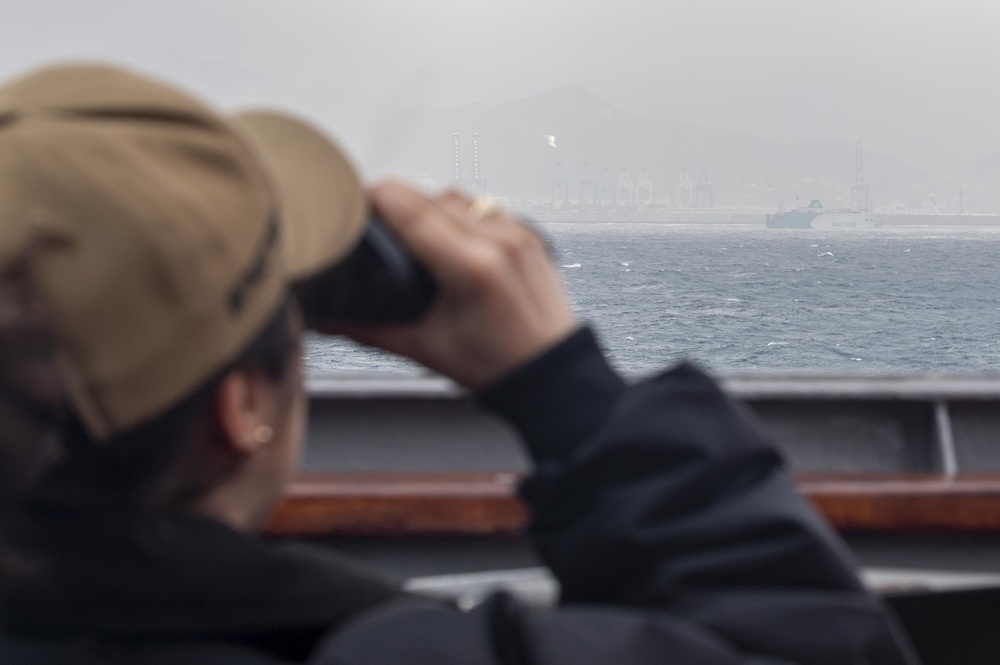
[(262, 434)]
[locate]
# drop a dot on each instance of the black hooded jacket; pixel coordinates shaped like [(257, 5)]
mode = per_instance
[(668, 519)]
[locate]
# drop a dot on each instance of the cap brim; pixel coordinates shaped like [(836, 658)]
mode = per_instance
[(321, 202)]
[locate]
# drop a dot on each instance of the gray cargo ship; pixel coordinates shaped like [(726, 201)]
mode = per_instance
[(815, 216)]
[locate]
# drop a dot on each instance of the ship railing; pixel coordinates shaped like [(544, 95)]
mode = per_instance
[(410, 456), (410, 475)]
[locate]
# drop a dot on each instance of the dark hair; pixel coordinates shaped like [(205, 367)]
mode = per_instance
[(159, 465), (47, 458), (30, 406), (30, 396)]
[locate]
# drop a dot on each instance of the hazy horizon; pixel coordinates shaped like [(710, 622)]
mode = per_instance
[(915, 79)]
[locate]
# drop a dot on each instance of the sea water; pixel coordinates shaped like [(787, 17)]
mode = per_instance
[(744, 299)]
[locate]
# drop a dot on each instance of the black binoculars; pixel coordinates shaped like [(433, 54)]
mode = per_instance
[(378, 282)]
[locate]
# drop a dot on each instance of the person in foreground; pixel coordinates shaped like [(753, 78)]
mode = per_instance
[(162, 243)]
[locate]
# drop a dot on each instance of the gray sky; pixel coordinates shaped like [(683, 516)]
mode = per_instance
[(919, 79)]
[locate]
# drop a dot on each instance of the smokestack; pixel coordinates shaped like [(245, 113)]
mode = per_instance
[(456, 174)]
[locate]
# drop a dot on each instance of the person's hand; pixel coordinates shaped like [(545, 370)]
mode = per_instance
[(500, 301)]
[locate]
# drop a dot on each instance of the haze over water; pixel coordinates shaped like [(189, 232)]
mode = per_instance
[(752, 299)]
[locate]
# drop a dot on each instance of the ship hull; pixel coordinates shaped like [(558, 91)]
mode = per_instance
[(823, 220)]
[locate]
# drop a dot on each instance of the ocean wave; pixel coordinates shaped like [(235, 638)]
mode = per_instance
[(755, 309)]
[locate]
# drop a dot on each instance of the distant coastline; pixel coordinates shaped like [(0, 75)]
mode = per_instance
[(736, 216)]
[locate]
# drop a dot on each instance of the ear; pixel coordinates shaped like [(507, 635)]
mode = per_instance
[(244, 412)]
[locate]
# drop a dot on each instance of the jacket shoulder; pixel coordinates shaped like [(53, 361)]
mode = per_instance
[(503, 632)]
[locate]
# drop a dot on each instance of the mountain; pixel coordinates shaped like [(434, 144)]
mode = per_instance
[(521, 141)]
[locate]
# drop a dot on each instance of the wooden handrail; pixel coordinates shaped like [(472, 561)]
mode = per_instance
[(906, 503), (410, 504), (487, 505)]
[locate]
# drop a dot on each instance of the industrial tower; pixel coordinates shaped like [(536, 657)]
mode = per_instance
[(478, 182), (704, 191), (588, 186), (606, 190), (859, 192), (684, 190), (626, 190), (644, 188), (456, 173), (560, 186)]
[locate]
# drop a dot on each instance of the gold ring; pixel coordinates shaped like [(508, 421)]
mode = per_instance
[(482, 206)]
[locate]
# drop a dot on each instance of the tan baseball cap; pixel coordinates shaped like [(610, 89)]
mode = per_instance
[(160, 236)]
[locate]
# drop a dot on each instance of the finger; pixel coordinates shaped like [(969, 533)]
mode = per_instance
[(495, 218), (455, 199), (432, 233), (500, 227), (459, 207), (472, 211), (491, 224), (402, 205), (497, 234)]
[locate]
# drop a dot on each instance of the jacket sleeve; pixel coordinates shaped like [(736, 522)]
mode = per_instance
[(665, 496)]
